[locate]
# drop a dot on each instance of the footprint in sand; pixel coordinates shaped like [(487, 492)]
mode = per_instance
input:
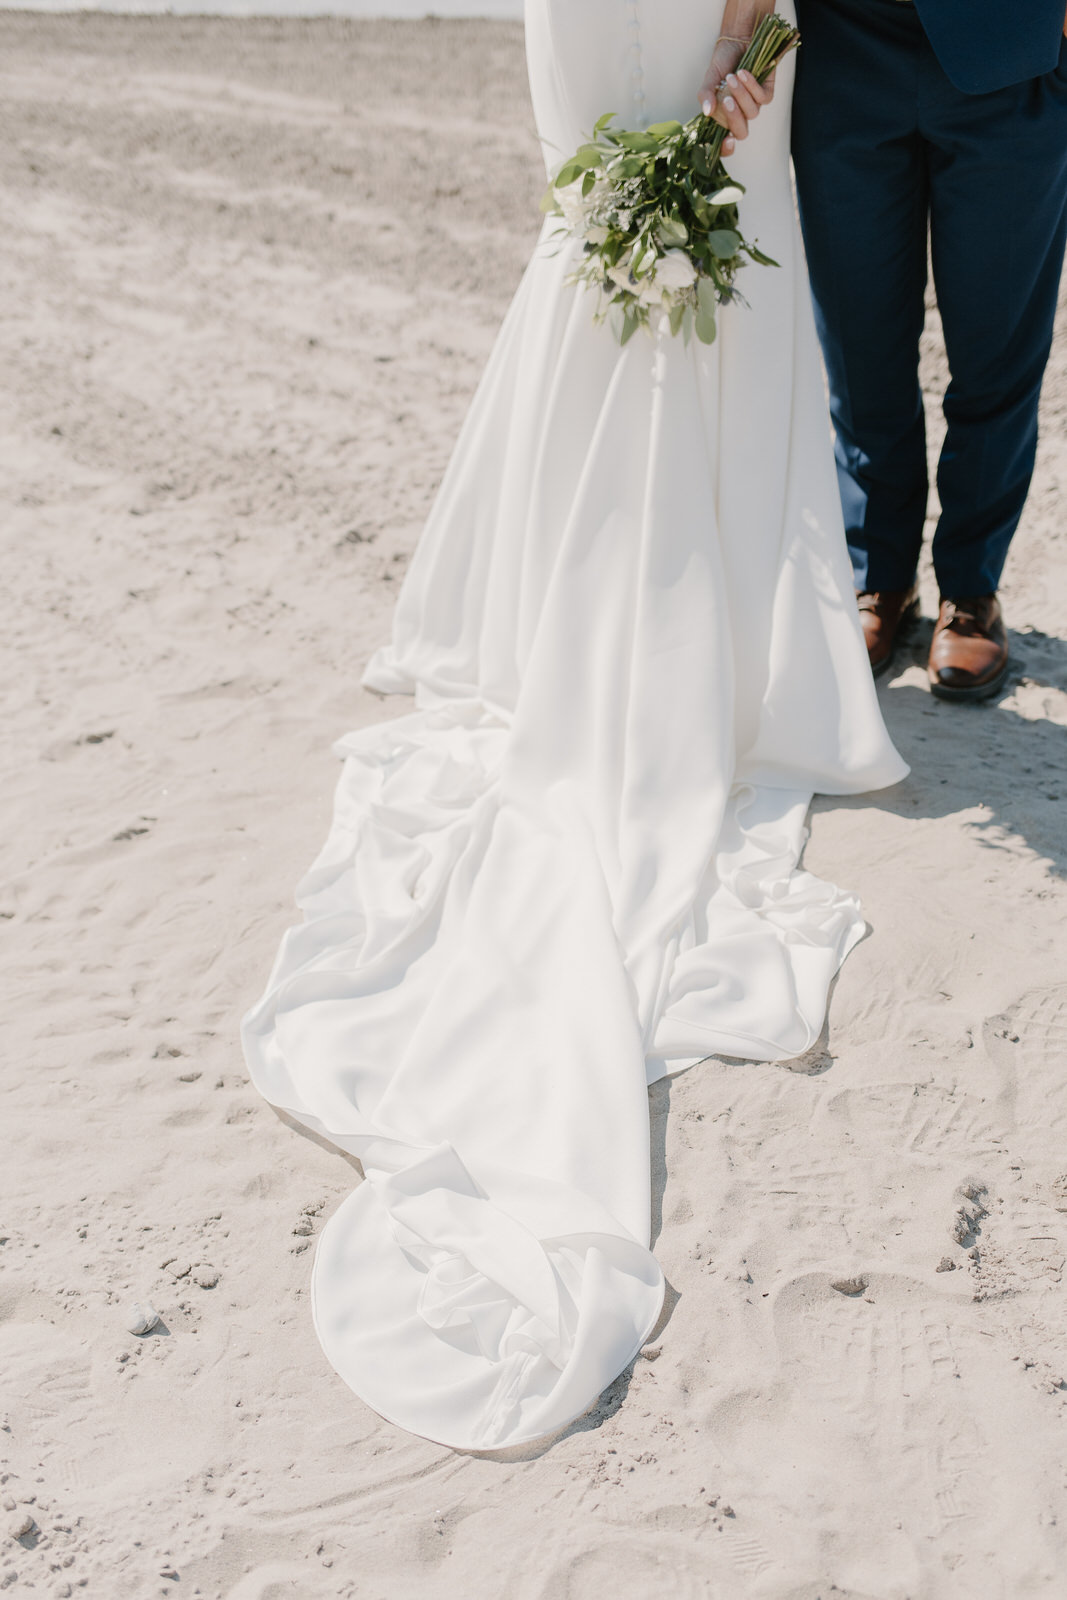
[(276, 1580), (627, 1569), (1029, 1041), (44, 1380), (887, 1422), (915, 1119)]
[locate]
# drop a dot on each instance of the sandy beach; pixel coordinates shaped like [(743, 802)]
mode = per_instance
[(250, 273)]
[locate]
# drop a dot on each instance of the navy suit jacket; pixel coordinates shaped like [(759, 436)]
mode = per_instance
[(986, 44)]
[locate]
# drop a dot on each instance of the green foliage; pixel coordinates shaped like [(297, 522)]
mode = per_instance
[(724, 243), (630, 324), (671, 232), (707, 304)]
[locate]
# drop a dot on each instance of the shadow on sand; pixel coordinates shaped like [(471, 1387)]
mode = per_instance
[(1006, 754)]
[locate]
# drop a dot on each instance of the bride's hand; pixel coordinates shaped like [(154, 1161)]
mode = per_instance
[(730, 97)]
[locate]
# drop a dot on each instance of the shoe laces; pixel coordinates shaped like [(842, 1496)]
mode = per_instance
[(963, 616), (878, 601)]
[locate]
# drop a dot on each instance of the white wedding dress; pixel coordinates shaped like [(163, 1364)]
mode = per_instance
[(631, 635)]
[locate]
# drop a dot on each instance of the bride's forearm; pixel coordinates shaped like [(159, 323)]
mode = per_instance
[(742, 17)]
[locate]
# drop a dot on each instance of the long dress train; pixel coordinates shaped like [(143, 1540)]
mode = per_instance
[(630, 632)]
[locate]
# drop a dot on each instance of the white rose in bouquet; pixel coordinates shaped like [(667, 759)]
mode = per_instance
[(574, 208), (675, 272)]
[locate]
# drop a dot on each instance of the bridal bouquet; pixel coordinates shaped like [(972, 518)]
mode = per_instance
[(657, 212)]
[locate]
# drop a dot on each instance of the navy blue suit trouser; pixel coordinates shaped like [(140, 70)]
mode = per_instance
[(887, 154)]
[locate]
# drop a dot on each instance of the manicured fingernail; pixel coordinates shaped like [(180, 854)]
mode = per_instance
[(729, 102), (709, 106), (731, 77)]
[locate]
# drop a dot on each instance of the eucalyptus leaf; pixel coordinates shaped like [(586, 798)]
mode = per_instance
[(672, 232), (569, 173), (724, 243), (704, 326), (707, 297), (665, 130), (640, 143)]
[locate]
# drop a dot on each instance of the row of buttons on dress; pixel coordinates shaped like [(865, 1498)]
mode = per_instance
[(637, 75)]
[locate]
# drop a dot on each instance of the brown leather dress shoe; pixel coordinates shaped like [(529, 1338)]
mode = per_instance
[(886, 616), (969, 650)]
